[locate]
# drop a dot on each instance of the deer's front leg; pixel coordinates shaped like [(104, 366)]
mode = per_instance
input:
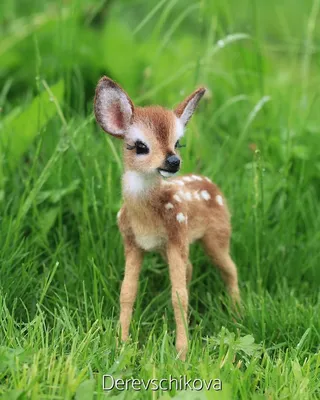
[(177, 259), (134, 256)]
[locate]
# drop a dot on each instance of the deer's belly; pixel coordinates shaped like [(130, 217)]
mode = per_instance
[(150, 242)]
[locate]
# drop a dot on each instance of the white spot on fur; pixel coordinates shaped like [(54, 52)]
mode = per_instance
[(196, 196), (181, 218), (119, 213), (207, 179), (187, 178), (180, 183), (196, 178), (177, 198), (205, 195), (137, 184), (168, 206), (219, 200), (188, 196)]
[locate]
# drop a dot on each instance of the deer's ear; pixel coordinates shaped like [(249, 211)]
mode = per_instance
[(187, 107), (113, 108)]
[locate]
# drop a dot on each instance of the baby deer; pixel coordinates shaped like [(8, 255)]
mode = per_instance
[(163, 215)]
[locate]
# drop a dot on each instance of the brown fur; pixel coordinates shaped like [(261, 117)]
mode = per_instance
[(166, 216), (158, 125), (158, 120)]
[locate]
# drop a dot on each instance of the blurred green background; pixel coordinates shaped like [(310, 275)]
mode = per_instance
[(256, 134)]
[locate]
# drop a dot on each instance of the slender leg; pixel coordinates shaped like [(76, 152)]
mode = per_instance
[(129, 286), (178, 277), (189, 272), (218, 251)]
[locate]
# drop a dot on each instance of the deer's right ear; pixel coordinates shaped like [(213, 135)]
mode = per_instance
[(112, 107)]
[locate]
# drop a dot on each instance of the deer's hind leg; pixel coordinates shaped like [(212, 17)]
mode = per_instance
[(217, 247)]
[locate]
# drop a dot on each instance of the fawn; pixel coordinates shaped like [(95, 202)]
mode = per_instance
[(163, 215)]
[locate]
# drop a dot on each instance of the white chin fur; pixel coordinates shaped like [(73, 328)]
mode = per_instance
[(166, 174)]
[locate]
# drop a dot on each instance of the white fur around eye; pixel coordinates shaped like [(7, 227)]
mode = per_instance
[(135, 133)]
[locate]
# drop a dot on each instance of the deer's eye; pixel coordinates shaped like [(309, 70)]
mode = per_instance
[(141, 148), (178, 145)]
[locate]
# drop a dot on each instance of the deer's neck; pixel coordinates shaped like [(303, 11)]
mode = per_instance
[(140, 187)]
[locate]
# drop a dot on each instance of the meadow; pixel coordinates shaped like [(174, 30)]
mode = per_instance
[(256, 134)]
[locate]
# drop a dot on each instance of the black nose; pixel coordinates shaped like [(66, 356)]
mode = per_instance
[(173, 163)]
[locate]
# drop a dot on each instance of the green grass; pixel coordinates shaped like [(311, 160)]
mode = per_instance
[(61, 256)]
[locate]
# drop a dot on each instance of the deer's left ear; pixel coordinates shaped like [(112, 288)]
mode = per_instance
[(185, 109)]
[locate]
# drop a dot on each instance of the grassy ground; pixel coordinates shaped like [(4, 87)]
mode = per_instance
[(256, 135)]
